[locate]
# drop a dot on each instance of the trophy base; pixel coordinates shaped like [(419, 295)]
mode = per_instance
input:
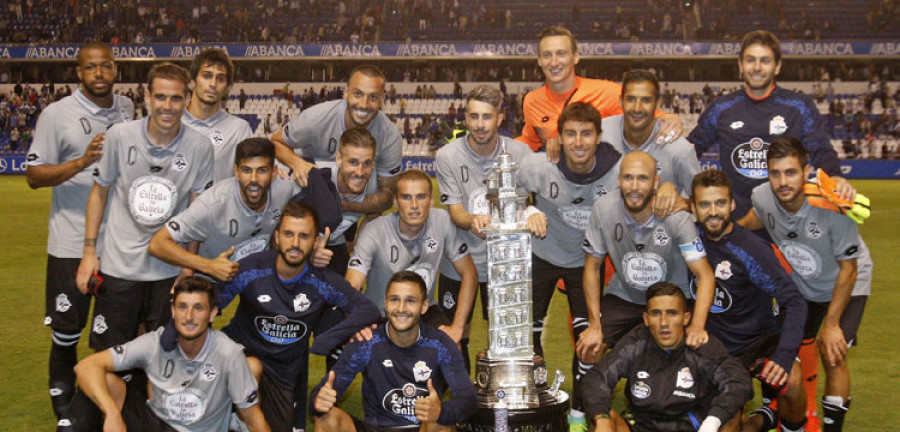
[(521, 381), (551, 418)]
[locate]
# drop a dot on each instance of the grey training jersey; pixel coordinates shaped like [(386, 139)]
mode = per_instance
[(380, 252), (147, 186), (316, 132), (461, 174), (643, 254), (192, 395), (225, 131), (567, 206), (676, 162), (349, 218), (63, 133), (812, 240), (220, 219)]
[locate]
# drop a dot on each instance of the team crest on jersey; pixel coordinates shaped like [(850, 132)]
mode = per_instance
[(777, 126), (301, 303), (723, 270), (640, 390), (124, 113), (685, 379), (812, 230), (599, 190), (216, 137), (421, 371), (100, 326), (62, 303), (660, 237), (643, 375), (448, 300), (179, 162), (208, 373), (431, 244)]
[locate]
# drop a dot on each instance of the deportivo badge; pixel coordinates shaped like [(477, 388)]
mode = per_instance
[(301, 303), (777, 126), (812, 230), (685, 379), (421, 371), (660, 238), (179, 163), (723, 270)]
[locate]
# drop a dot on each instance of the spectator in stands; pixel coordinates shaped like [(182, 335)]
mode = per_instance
[(242, 99), (14, 139)]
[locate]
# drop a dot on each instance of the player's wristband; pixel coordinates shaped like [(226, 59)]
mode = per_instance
[(710, 424), (92, 242)]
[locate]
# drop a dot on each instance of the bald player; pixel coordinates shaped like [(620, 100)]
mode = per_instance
[(68, 140), (644, 249), (212, 75)]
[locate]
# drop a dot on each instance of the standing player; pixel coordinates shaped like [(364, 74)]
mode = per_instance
[(67, 141), (196, 377), (671, 385), (212, 74), (637, 129), (749, 278), (462, 167), (150, 170), (282, 299), (237, 216), (822, 247), (416, 237), (406, 367), (315, 134), (644, 249), (557, 57)]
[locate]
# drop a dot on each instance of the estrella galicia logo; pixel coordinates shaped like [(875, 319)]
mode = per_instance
[(280, 330), (749, 158)]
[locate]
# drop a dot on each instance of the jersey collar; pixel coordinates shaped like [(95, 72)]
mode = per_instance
[(189, 118), (768, 93), (91, 106)]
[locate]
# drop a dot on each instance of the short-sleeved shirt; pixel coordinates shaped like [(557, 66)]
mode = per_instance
[(812, 240), (743, 128), (220, 219), (349, 218), (64, 130), (567, 206), (541, 107), (192, 395), (147, 186), (225, 131), (380, 251), (316, 132), (642, 254), (461, 175), (676, 162)]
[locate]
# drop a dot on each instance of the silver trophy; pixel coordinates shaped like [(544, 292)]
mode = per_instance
[(509, 365)]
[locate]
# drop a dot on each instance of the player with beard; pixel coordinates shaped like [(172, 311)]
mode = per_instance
[(236, 217), (557, 58), (644, 249), (823, 247), (282, 300), (407, 365), (315, 134), (196, 376), (212, 75), (68, 140), (750, 277)]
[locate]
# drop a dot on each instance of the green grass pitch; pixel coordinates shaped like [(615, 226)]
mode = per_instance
[(24, 341)]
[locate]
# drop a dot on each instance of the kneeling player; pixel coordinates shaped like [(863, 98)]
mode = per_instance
[(406, 367), (671, 387), (749, 277)]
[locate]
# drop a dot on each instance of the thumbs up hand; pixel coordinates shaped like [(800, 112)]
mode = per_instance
[(321, 255), (327, 396), (222, 268), (428, 409)]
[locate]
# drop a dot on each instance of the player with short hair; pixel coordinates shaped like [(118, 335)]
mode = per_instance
[(237, 216), (407, 365), (68, 140), (196, 377), (637, 129), (823, 248), (315, 134), (557, 58), (212, 75), (671, 386), (416, 237), (750, 277), (282, 299), (150, 171), (644, 249)]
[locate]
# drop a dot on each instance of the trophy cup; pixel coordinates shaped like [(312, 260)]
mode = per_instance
[(509, 370)]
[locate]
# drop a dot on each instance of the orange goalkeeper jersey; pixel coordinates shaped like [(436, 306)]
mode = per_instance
[(541, 107)]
